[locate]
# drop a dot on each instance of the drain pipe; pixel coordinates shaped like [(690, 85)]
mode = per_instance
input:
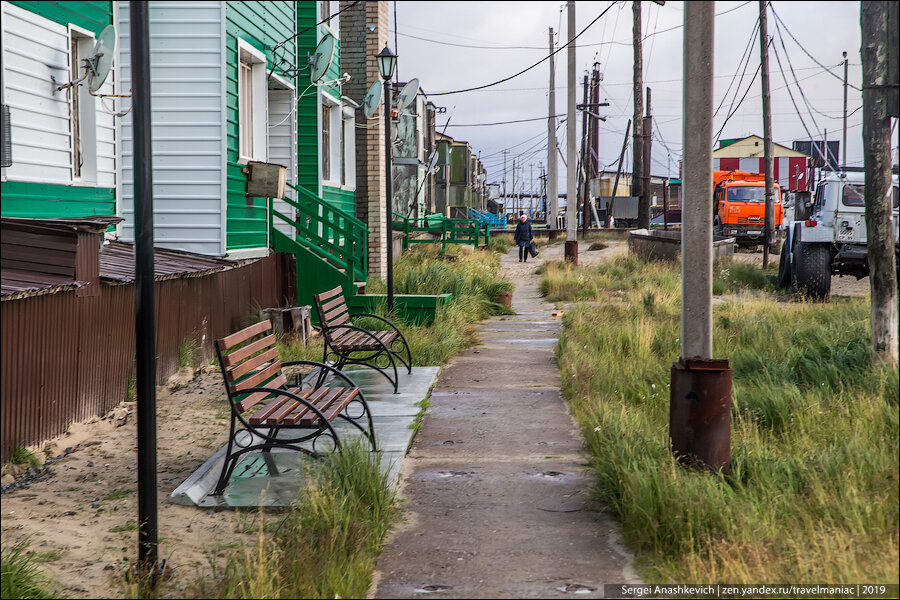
[(700, 390)]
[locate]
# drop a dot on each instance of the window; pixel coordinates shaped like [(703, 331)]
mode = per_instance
[(348, 146), (82, 109), (326, 10), (344, 152), (326, 142), (75, 108), (855, 195), (252, 102)]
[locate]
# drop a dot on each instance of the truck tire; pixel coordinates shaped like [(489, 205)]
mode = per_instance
[(784, 269), (811, 272)]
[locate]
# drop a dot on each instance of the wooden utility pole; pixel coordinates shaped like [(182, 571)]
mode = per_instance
[(505, 198), (515, 199), (637, 150), (879, 76), (844, 141), (552, 176), (612, 201), (584, 170), (648, 145), (769, 232), (571, 248)]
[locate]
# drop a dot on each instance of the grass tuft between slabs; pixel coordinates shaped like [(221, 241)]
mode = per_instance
[(20, 578), (813, 490)]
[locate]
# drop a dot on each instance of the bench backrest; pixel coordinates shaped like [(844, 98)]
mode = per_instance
[(333, 312), (249, 358)]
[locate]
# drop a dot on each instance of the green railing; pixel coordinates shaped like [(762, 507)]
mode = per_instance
[(327, 231), (445, 230)]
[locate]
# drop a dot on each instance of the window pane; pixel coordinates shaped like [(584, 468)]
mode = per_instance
[(245, 116), (75, 110), (326, 142), (344, 134)]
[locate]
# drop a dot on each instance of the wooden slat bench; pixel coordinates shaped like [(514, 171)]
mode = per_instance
[(268, 412), (349, 344)]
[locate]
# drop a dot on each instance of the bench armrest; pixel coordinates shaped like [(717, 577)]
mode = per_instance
[(382, 319), (322, 368)]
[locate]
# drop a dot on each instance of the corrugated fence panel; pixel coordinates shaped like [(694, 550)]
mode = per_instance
[(68, 358)]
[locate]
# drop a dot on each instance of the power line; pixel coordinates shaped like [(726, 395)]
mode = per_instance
[(805, 51), (745, 58), (732, 113), (546, 58), (505, 122)]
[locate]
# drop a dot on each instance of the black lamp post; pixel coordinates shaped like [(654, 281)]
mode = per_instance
[(387, 62)]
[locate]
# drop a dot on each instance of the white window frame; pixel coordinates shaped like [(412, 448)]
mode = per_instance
[(348, 138), (334, 141), (86, 111), (248, 55), (332, 25)]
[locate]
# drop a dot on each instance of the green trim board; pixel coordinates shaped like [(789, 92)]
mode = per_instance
[(50, 201), (308, 111), (263, 25), (93, 16)]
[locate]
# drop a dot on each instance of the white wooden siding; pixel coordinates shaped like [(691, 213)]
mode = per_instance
[(35, 51), (283, 148), (187, 66)]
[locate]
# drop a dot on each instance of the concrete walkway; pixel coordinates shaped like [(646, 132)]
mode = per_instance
[(497, 490)]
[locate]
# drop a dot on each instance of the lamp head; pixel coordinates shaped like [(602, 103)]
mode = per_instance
[(387, 62)]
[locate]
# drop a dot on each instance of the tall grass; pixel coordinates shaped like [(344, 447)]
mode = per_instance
[(325, 546), (19, 578), (472, 277), (813, 490)]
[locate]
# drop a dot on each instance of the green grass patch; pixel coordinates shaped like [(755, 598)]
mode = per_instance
[(736, 276), (24, 457), (474, 280), (500, 243), (119, 494), (129, 525), (325, 546), (20, 578), (189, 354), (598, 245), (813, 490)]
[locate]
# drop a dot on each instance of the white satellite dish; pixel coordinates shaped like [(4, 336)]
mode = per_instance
[(102, 58), (408, 94), (372, 100), (321, 58)]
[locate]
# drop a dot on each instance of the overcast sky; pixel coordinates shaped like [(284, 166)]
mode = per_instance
[(825, 29)]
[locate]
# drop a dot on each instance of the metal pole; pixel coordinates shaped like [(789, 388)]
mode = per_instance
[(612, 202), (583, 171), (666, 204), (768, 150), (388, 194), (644, 205), (552, 174), (637, 149), (696, 273), (144, 301), (571, 248), (844, 142)]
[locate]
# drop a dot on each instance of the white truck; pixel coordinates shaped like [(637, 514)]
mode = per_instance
[(828, 236)]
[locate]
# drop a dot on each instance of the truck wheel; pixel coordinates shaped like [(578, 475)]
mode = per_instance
[(784, 269), (812, 271)]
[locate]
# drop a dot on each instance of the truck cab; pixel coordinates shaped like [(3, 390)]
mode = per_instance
[(828, 237), (740, 206)]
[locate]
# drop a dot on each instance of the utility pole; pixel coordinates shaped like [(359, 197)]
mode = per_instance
[(700, 391), (530, 188), (612, 202), (644, 217), (571, 248), (637, 149), (879, 93), (515, 198), (844, 141), (583, 171), (769, 234), (552, 175), (505, 199)]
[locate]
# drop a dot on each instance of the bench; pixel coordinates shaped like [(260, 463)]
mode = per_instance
[(352, 345), (269, 412)]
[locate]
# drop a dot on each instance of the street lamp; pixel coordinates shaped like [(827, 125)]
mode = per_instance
[(387, 62)]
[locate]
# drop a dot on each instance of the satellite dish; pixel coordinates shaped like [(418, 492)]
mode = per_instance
[(321, 58), (408, 94), (372, 100), (102, 58)]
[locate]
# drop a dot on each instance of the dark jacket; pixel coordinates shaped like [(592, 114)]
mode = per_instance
[(523, 235)]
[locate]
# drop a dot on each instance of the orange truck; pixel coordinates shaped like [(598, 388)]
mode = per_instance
[(739, 206)]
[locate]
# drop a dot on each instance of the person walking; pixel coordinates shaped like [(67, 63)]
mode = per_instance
[(523, 236)]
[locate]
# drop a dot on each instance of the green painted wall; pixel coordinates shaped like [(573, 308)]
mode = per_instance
[(308, 174), (342, 199), (49, 201), (263, 25), (45, 200), (93, 16)]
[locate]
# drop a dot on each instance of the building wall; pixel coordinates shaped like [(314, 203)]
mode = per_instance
[(360, 45), (752, 146), (188, 102), (263, 25), (40, 182), (90, 343)]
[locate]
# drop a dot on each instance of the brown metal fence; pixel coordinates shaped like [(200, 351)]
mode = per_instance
[(67, 358)]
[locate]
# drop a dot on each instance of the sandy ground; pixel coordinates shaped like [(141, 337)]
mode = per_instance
[(81, 518)]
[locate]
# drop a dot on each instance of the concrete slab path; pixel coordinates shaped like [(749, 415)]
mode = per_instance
[(497, 490)]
